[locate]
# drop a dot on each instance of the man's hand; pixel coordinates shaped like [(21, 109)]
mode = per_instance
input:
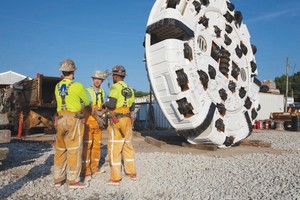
[(99, 113), (101, 122)]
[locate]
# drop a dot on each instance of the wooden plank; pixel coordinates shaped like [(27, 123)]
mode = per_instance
[(5, 136), (209, 147), (255, 143), (154, 141), (3, 153), (3, 119), (172, 138), (136, 134)]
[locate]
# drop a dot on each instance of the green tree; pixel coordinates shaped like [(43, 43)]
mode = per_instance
[(280, 83), (140, 93), (294, 85)]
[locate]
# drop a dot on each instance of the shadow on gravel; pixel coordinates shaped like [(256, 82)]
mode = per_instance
[(104, 154), (24, 153), (168, 136)]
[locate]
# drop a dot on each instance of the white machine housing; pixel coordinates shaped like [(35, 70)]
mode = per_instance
[(202, 69)]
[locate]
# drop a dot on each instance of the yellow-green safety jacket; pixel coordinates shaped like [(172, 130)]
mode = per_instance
[(123, 94), (96, 96), (74, 93)]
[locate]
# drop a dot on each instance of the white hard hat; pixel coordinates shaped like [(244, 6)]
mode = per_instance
[(67, 65), (99, 74), (119, 70)]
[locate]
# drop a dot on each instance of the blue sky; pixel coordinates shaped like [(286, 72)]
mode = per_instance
[(36, 35)]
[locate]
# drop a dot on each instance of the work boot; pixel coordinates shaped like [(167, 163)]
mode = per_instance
[(131, 176), (78, 185), (88, 178), (100, 171), (58, 184), (114, 183)]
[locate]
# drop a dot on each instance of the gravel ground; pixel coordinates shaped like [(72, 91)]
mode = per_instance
[(26, 174)]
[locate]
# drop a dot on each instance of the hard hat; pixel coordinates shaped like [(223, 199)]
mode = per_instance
[(119, 70), (67, 65), (99, 74)]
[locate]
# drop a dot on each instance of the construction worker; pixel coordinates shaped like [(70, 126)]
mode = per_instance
[(93, 129), (120, 105), (70, 98)]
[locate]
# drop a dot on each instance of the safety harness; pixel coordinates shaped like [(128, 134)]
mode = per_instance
[(126, 93), (114, 117), (97, 95), (63, 92)]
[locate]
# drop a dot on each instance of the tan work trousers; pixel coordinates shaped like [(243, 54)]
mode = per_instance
[(68, 150), (119, 147), (91, 152)]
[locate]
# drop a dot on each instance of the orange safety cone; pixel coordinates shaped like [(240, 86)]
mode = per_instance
[(20, 128), (258, 124), (266, 124), (255, 125)]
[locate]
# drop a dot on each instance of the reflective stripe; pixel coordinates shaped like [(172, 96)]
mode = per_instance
[(97, 160), (116, 141), (80, 142), (86, 161), (61, 149), (112, 147), (87, 141), (115, 164), (127, 141), (73, 148), (129, 160)]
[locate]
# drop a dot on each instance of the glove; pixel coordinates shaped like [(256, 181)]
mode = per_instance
[(101, 122), (98, 113)]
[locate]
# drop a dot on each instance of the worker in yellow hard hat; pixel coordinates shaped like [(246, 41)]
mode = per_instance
[(120, 105), (70, 127), (93, 128)]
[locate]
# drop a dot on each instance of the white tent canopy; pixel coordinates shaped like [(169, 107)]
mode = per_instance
[(10, 77)]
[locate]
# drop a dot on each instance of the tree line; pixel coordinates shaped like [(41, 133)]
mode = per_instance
[(140, 93), (293, 86)]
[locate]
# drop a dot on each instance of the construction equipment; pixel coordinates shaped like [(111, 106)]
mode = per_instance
[(202, 69), (30, 104), (287, 120)]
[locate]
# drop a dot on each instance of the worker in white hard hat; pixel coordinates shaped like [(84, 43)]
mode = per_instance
[(120, 105), (95, 123), (70, 128)]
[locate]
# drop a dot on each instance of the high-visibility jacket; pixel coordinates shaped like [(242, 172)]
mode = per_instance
[(93, 134), (123, 94), (119, 143), (74, 93), (96, 96), (97, 99)]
